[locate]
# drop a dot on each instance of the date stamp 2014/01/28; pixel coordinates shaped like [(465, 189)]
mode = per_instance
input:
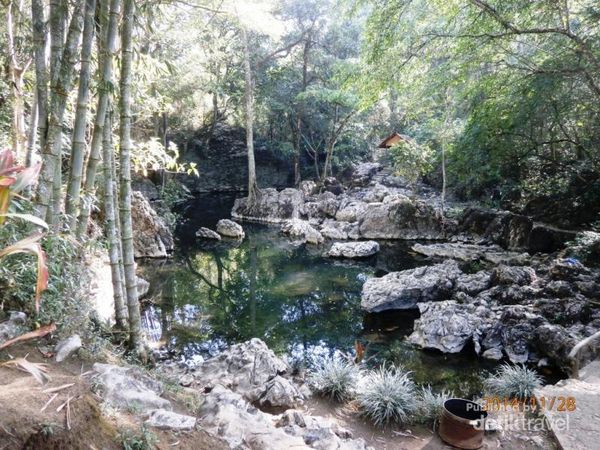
[(557, 403)]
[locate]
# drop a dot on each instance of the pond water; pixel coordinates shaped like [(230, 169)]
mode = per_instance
[(303, 305)]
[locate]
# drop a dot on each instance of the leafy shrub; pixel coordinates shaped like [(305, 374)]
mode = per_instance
[(430, 404), (335, 378), (513, 382), (387, 395)]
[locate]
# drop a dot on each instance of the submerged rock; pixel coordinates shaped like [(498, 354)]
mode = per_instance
[(151, 236), (403, 290), (207, 233), (229, 228), (361, 249), (303, 231)]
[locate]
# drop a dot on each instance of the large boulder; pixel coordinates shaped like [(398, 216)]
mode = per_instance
[(448, 326), (229, 228), (250, 369), (303, 231), (362, 249), (403, 290), (272, 206), (152, 237), (400, 219)]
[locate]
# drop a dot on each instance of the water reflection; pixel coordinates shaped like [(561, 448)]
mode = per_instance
[(304, 306)]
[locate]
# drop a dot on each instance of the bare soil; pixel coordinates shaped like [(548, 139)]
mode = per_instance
[(23, 424)]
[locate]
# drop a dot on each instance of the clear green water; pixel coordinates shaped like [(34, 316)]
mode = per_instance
[(304, 306)]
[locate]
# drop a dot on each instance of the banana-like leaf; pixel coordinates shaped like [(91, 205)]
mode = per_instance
[(31, 245), (25, 177), (7, 160), (28, 217)]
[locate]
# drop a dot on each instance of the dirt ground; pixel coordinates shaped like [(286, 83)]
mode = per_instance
[(23, 424)]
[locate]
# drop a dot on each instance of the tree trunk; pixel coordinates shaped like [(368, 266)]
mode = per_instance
[(133, 306), (15, 74), (108, 45), (40, 42), (78, 139), (32, 136), (253, 191), (49, 190), (111, 228)]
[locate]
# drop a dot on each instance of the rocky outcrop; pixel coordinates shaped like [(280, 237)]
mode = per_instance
[(303, 231), (403, 290), (448, 326), (353, 250), (230, 229), (504, 228), (151, 236), (363, 173), (471, 252), (272, 206)]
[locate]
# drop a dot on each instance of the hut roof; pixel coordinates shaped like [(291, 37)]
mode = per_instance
[(392, 139)]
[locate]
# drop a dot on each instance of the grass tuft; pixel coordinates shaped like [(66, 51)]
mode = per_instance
[(335, 378), (513, 382)]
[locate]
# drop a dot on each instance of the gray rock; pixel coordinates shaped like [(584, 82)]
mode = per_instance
[(303, 231), (12, 327), (67, 347), (493, 354), (473, 284), (471, 252), (403, 290), (229, 228), (125, 387), (401, 219), (504, 228), (334, 229), (152, 238), (363, 173), (308, 187), (510, 275), (169, 420), (272, 206), (280, 393), (362, 249), (245, 368), (350, 210), (207, 233), (447, 326)]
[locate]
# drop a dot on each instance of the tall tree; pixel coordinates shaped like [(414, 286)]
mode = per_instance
[(50, 186), (108, 46), (111, 226), (133, 306), (40, 42), (78, 143)]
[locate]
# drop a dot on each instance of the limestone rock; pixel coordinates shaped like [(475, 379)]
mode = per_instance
[(272, 206), (334, 229), (363, 173), (308, 187), (229, 228), (362, 249), (303, 231), (151, 236), (447, 326), (67, 347), (207, 233), (403, 290), (125, 387), (280, 393), (471, 252), (510, 275), (169, 420)]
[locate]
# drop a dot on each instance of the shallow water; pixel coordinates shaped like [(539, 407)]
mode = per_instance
[(303, 305)]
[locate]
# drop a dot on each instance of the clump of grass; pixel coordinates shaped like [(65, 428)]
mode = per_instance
[(387, 395), (335, 378), (513, 382), (145, 440), (430, 405)]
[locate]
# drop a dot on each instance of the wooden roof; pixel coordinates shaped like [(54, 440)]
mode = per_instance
[(392, 139)]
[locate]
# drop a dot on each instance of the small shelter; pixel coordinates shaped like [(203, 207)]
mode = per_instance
[(393, 139)]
